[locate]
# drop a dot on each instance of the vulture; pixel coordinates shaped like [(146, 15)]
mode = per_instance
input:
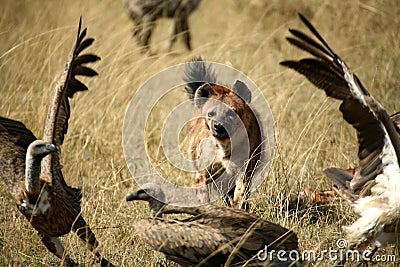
[(213, 235), (31, 168), (372, 188)]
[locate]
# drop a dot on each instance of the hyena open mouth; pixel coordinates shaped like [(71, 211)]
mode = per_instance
[(218, 130)]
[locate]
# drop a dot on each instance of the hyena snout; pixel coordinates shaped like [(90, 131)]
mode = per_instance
[(222, 129), (219, 128), (223, 125)]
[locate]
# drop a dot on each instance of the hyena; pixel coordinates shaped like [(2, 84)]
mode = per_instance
[(144, 14), (223, 115)]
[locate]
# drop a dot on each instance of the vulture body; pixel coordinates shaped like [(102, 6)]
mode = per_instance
[(31, 168), (211, 235), (373, 188)]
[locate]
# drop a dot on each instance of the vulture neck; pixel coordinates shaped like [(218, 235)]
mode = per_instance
[(387, 122), (393, 134), (155, 208), (32, 174)]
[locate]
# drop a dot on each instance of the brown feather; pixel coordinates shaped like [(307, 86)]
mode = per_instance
[(56, 125), (14, 141), (214, 234), (374, 199), (56, 210), (326, 73)]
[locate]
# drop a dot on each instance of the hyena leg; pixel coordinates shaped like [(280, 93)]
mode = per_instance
[(241, 193), (186, 33), (86, 235), (201, 188), (137, 22), (174, 31), (137, 29), (147, 25), (180, 26), (228, 198), (54, 245)]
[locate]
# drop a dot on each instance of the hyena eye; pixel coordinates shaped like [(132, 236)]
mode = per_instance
[(211, 114)]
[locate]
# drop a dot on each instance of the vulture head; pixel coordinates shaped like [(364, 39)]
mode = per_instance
[(39, 149), (151, 193)]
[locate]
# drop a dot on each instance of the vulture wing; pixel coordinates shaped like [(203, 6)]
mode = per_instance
[(245, 233), (187, 243), (374, 127), (59, 112), (396, 118), (14, 141), (374, 187)]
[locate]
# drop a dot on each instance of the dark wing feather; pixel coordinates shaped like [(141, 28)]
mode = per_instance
[(321, 75), (59, 112), (396, 118), (14, 141), (246, 234), (187, 243), (253, 230), (22, 135), (365, 114)]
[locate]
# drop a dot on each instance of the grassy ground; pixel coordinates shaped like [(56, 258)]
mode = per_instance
[(36, 37)]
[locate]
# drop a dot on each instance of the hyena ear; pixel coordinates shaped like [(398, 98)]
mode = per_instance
[(202, 92), (241, 89)]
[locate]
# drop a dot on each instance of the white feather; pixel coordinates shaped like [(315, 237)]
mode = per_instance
[(381, 208), (40, 208)]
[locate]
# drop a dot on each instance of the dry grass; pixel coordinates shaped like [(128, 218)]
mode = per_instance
[(38, 35)]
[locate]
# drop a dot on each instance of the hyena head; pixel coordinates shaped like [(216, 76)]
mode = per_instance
[(223, 108)]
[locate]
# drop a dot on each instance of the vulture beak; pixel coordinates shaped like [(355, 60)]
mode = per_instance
[(52, 148), (137, 195), (131, 196)]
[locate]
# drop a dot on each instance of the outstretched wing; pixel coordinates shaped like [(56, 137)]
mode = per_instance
[(375, 129), (14, 141), (59, 112)]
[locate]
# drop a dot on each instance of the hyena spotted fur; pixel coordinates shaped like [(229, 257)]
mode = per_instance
[(144, 14), (217, 109)]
